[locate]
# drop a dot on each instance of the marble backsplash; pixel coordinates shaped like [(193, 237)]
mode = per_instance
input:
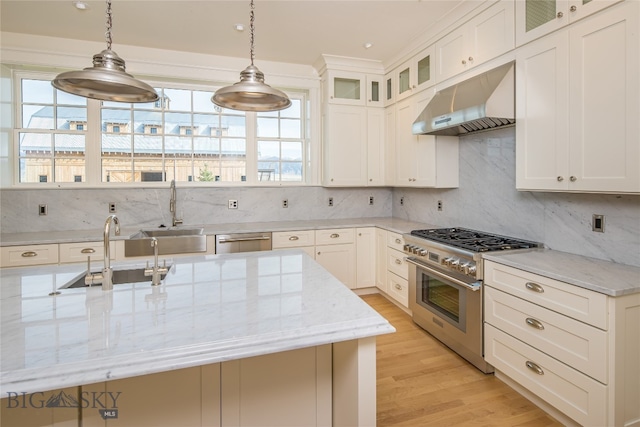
[(149, 207), (487, 200)]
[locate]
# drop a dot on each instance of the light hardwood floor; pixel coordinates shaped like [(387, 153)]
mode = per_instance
[(423, 383)]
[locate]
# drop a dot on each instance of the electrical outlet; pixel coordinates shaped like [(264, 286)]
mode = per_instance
[(112, 207), (401, 201), (233, 204), (597, 223), (370, 200), (330, 201), (42, 210), (285, 203), (439, 205)]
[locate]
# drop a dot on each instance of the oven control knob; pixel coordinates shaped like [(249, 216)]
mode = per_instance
[(470, 270), (422, 252), (415, 250), (407, 248), (454, 263), (463, 267)]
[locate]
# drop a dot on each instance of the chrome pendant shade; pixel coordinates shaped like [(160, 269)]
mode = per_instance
[(107, 79), (251, 93)]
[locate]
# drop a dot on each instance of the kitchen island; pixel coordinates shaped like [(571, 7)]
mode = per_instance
[(268, 338)]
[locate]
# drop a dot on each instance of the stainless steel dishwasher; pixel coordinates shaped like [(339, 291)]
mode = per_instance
[(242, 242)]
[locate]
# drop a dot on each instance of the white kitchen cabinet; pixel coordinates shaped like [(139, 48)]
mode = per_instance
[(536, 18), (486, 36), (17, 256), (78, 252), (302, 239), (381, 259), (389, 88), (415, 75), (397, 269), (365, 257), (336, 251), (423, 160), (353, 146), (577, 106), (353, 88), (573, 348)]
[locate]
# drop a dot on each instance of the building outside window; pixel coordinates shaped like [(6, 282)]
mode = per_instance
[(182, 136)]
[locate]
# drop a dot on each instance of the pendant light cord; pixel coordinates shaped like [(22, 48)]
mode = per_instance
[(109, 24), (251, 30)]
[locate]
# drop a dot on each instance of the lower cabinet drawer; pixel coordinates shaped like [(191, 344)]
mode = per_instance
[(16, 256), (576, 395), (395, 241), (577, 344), (335, 236), (292, 239), (398, 289), (396, 263), (78, 252)]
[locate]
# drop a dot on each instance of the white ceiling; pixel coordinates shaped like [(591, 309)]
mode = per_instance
[(285, 31)]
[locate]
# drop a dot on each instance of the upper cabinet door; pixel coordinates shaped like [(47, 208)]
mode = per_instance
[(423, 64), (486, 36), (375, 91), (346, 88)]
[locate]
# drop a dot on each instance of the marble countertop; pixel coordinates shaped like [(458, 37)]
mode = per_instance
[(208, 309), (72, 236), (590, 273)]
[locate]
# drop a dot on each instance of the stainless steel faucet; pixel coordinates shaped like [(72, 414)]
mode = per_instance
[(156, 271), (172, 204), (105, 277)]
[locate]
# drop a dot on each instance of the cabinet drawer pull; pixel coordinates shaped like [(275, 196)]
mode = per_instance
[(398, 241), (293, 238), (334, 236), (397, 261), (88, 251), (534, 323), (398, 287), (534, 287), (29, 254), (534, 367)]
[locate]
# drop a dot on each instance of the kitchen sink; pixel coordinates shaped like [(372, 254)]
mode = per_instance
[(119, 276), (170, 241), (170, 232)]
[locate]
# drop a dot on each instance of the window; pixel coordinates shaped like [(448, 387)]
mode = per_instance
[(50, 134), (182, 136)]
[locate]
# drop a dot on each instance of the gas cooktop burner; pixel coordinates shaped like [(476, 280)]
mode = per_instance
[(475, 241)]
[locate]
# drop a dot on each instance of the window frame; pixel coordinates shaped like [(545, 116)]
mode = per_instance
[(93, 142)]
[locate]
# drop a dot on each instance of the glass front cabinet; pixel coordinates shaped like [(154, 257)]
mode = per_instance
[(535, 18), (355, 89), (415, 74)]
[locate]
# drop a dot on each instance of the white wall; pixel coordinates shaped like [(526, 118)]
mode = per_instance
[(487, 200)]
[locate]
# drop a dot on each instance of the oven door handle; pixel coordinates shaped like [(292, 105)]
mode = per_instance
[(475, 286)]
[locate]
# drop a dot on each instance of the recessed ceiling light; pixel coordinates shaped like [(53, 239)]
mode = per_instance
[(80, 5), (367, 45), (239, 27)]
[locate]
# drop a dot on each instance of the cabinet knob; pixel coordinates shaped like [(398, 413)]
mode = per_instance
[(464, 62), (398, 287), (370, 179), (471, 59), (560, 179), (318, 253), (573, 8), (398, 261), (29, 254), (398, 241), (572, 178), (560, 15)]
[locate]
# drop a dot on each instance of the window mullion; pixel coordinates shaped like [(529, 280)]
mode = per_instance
[(93, 143)]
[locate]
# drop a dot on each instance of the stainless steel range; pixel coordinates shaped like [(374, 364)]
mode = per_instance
[(445, 284)]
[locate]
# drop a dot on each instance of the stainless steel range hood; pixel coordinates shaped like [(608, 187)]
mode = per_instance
[(483, 102)]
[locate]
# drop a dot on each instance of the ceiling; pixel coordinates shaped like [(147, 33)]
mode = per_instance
[(285, 31)]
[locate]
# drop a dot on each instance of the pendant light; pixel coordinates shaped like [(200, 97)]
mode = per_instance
[(107, 79), (251, 93)]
